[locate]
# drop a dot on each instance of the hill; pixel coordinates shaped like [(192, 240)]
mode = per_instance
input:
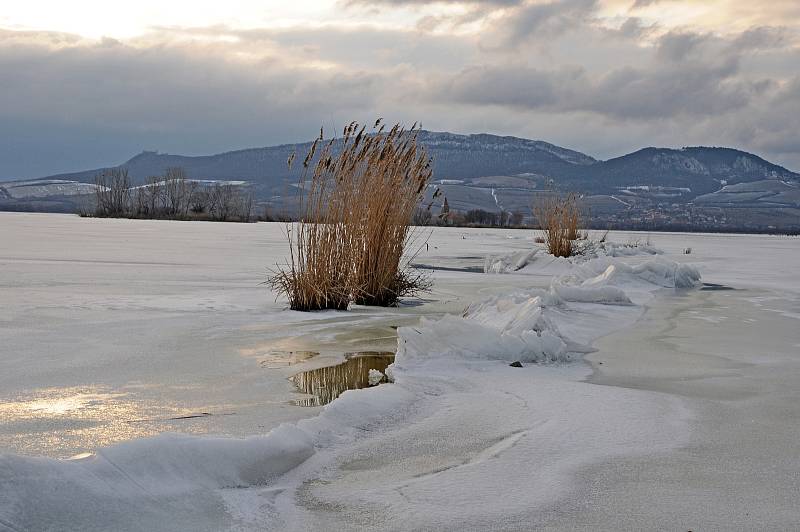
[(496, 173)]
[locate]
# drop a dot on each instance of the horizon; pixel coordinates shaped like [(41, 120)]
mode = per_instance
[(602, 77)]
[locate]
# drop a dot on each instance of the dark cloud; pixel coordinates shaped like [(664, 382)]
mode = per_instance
[(553, 70), (625, 94), (547, 19), (529, 21), (687, 75), (764, 38), (773, 127), (634, 28), (512, 85), (174, 97), (676, 46)]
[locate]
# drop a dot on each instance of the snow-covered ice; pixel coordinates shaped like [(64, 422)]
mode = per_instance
[(457, 440)]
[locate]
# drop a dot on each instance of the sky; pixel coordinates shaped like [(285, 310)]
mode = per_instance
[(89, 83)]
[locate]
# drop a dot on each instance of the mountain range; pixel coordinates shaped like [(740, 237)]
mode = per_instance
[(502, 172)]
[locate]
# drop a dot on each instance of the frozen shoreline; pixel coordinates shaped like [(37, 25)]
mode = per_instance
[(442, 446)]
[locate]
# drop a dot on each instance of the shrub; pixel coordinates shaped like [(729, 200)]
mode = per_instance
[(358, 199), (558, 216)]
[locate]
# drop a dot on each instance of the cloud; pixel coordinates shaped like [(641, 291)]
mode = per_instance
[(624, 94), (765, 38), (644, 3), (635, 28), (457, 14), (398, 3), (545, 20), (180, 97), (560, 70), (677, 46)]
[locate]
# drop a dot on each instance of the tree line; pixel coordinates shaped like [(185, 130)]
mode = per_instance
[(172, 196), (471, 218)]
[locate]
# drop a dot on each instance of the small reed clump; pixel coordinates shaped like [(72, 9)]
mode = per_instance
[(558, 216), (358, 199)]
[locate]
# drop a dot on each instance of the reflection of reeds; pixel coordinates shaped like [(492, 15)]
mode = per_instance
[(357, 204), (558, 218), (326, 384)]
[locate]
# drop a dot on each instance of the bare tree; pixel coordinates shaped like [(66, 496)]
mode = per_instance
[(201, 201), (245, 206), (503, 218), (178, 192), (148, 198), (172, 196), (225, 202), (113, 192)]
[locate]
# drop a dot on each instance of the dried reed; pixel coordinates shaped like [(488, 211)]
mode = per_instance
[(558, 216), (358, 198)]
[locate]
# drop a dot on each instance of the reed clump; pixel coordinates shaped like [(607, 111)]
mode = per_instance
[(359, 194), (558, 217)]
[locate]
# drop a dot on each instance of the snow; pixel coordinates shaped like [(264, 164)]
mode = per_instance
[(205, 182), (46, 188), (458, 439), (375, 377)]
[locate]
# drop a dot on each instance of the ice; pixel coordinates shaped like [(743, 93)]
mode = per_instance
[(476, 341), (658, 272), (585, 250), (456, 440), (522, 325), (375, 377), (511, 262)]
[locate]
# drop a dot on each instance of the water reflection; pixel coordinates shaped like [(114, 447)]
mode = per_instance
[(326, 384)]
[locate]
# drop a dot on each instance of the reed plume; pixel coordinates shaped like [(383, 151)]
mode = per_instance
[(358, 195)]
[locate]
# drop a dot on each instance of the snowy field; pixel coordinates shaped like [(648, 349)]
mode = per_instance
[(143, 385)]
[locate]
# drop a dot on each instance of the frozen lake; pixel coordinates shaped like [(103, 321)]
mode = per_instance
[(115, 330), (118, 329)]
